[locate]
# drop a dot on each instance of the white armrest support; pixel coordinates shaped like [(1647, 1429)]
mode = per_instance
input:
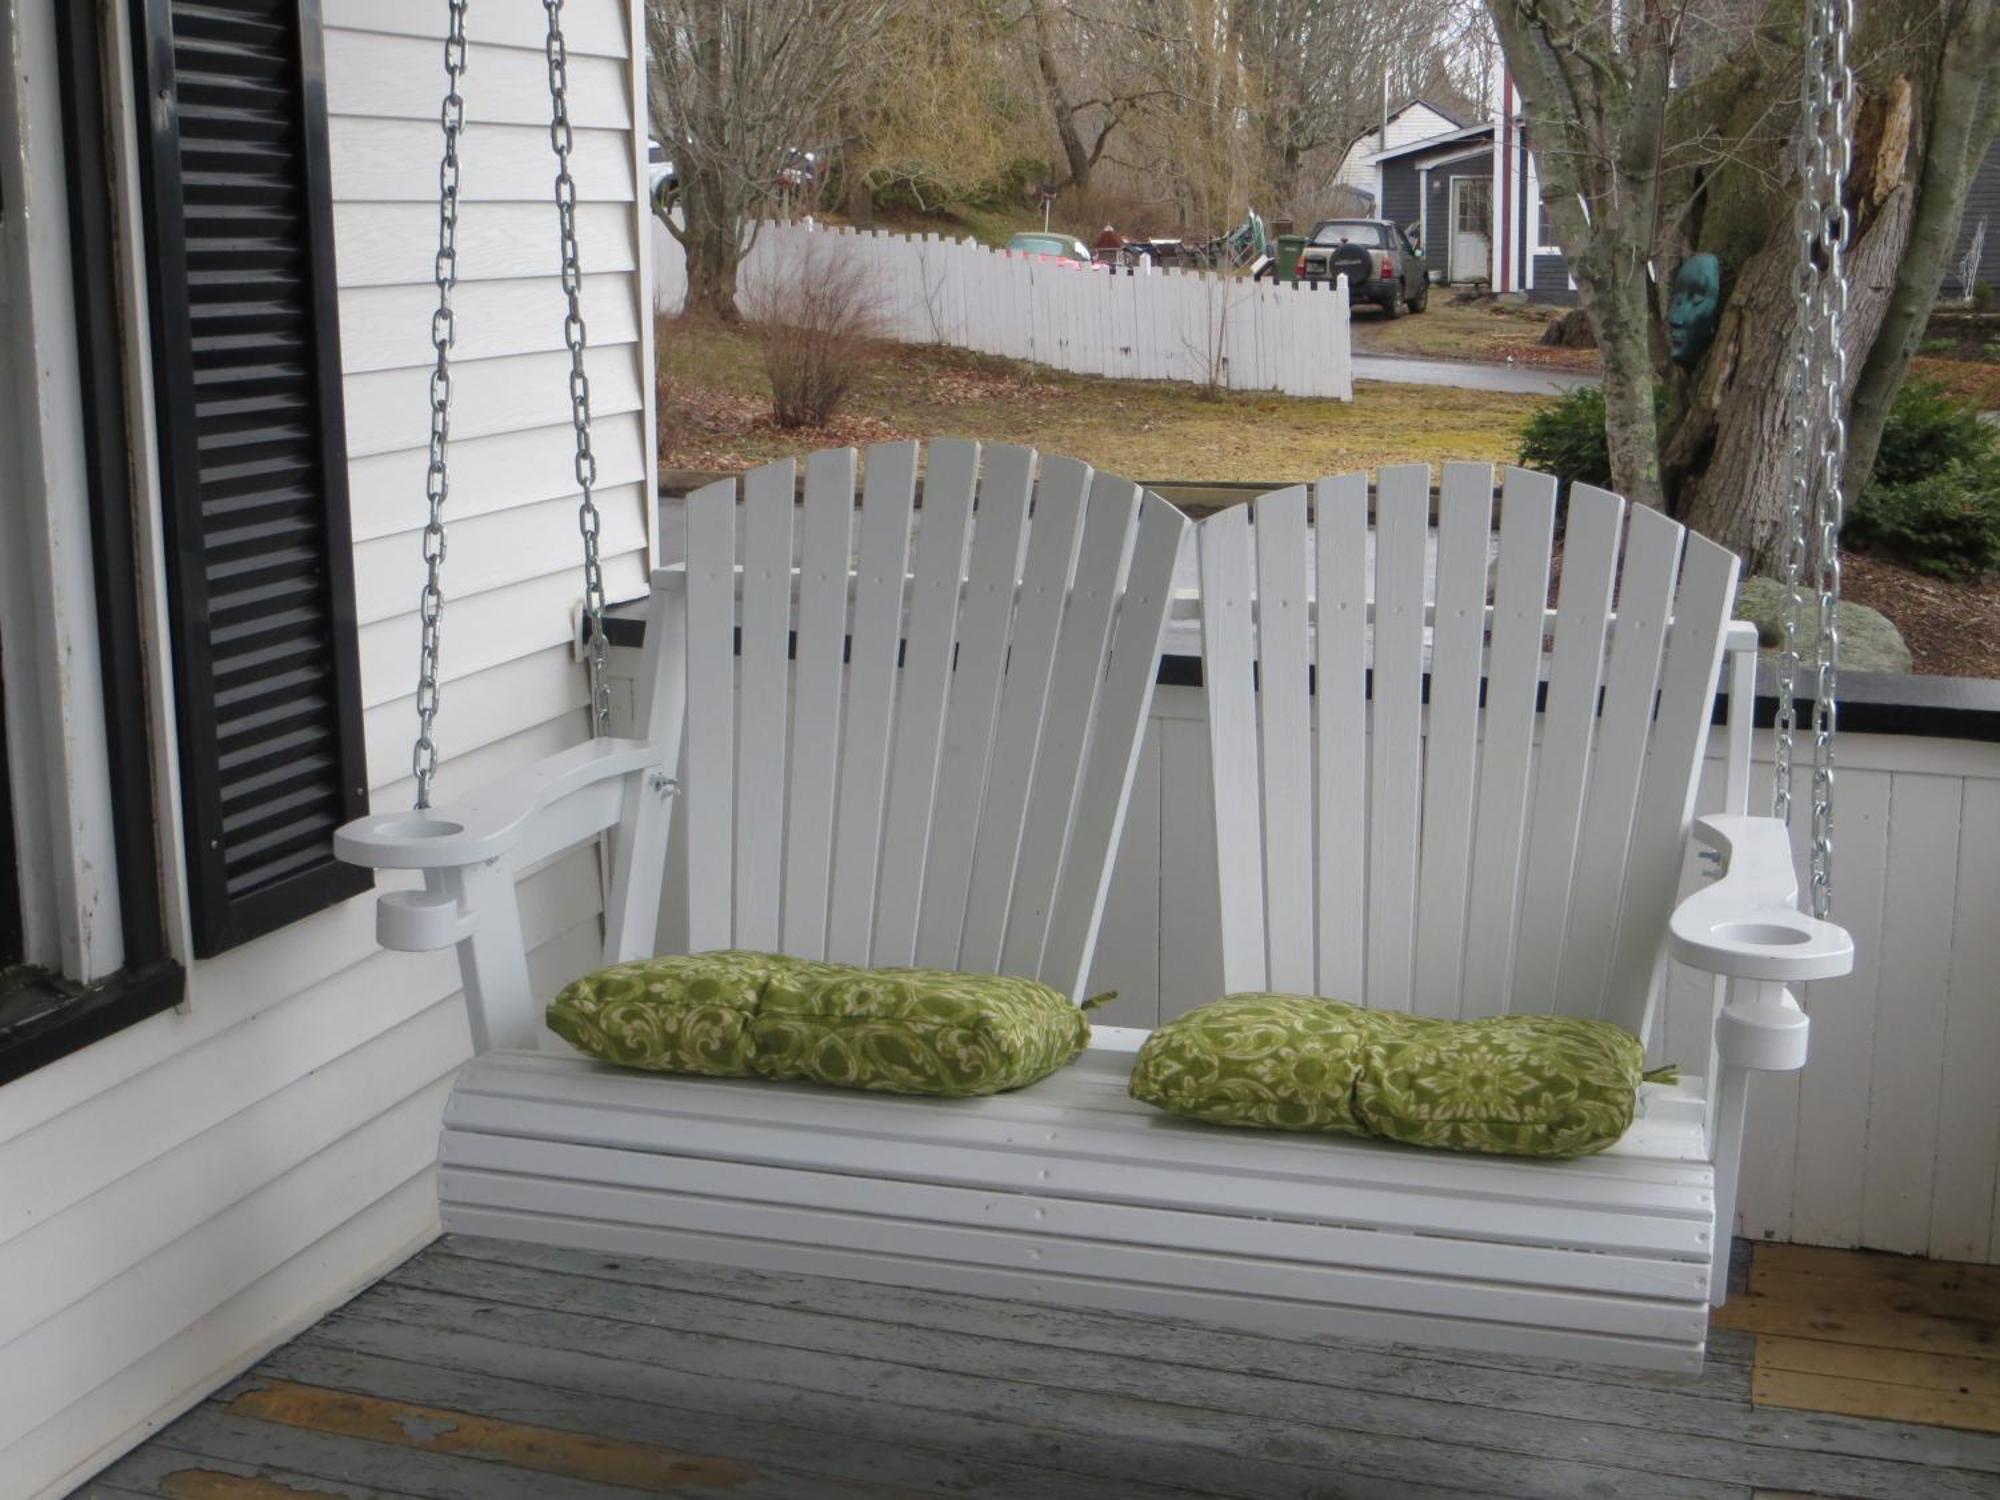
[(490, 820), (1747, 924)]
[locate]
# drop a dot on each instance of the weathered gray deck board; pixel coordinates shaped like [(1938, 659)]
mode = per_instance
[(829, 1390), (1644, 1430)]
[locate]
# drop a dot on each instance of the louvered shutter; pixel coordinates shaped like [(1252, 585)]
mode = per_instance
[(253, 464)]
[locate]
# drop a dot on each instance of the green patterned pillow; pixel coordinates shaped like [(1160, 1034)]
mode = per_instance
[(1514, 1085), (907, 1031)]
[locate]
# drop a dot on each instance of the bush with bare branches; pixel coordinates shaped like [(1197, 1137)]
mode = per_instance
[(816, 322)]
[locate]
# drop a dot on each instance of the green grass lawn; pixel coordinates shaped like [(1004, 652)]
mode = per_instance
[(715, 414)]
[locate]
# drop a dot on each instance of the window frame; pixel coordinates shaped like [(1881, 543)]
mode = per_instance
[(112, 980)]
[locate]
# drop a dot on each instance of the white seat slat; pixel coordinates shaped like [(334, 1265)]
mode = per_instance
[(891, 486), (1569, 723), (711, 670), (966, 1225), (1225, 560), (1018, 1212), (928, 644), (1074, 681), (1645, 600), (827, 531), (1513, 679), (1341, 675), (1284, 656), (999, 535), (765, 619), (1275, 1174), (1124, 703), (1052, 546), (1402, 522), (1245, 1309), (1451, 735)]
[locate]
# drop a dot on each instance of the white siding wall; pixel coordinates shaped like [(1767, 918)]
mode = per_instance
[(191, 1191), (1889, 1139), (1418, 122)]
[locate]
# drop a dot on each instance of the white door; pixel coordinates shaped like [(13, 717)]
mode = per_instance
[(1471, 229)]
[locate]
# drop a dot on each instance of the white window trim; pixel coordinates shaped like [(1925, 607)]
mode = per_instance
[(57, 751)]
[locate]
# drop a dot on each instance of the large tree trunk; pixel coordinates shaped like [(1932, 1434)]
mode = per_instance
[(1075, 154), (1618, 307), (1732, 453), (1730, 458), (713, 251), (1963, 112)]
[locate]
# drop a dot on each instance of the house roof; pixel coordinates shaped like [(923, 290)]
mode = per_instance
[(1439, 142)]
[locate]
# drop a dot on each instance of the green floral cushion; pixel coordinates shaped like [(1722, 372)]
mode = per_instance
[(1515, 1085), (737, 1014)]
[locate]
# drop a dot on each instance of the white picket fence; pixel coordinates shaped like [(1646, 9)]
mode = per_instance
[(1147, 324)]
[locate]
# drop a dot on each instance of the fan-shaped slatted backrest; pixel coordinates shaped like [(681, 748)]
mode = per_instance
[(1433, 792), (911, 729)]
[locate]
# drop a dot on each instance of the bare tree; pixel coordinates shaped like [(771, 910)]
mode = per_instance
[(1663, 129), (735, 87)]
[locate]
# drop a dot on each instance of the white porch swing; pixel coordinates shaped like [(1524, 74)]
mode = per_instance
[(885, 759)]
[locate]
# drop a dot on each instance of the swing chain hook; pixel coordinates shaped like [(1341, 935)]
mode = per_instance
[(437, 477), (1819, 421), (575, 336)]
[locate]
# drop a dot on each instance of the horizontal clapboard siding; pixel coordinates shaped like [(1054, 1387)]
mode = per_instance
[(196, 1188)]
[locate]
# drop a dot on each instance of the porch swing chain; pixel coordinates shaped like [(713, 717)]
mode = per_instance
[(1819, 422), (437, 478), (562, 138)]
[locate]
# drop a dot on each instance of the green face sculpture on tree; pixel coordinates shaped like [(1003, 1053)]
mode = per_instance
[(1691, 312)]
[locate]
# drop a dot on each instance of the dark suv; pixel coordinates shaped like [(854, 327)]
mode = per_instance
[(1378, 260)]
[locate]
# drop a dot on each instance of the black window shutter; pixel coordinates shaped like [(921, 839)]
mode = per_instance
[(253, 456)]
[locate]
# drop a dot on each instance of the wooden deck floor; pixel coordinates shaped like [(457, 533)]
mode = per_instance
[(490, 1371)]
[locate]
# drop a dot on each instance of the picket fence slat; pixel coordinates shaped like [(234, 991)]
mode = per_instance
[(1131, 323)]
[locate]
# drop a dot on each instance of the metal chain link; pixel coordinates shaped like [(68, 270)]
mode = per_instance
[(562, 138), (437, 478), (1819, 420)]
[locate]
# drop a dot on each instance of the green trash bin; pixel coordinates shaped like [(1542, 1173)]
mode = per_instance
[(1290, 247)]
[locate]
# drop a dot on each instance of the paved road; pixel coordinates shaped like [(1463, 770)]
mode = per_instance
[(1526, 380)]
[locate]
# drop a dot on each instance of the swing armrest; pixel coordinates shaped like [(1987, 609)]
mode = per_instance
[(1747, 924), (491, 820)]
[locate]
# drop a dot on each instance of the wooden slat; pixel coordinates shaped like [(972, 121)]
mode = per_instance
[(1839, 1322), (1513, 677), (1973, 1377), (1284, 658), (1110, 1150), (1451, 736), (1074, 684), (827, 533), (1569, 722), (765, 613), (1966, 1203), (1024, 692), (891, 485), (709, 796), (951, 468), (1645, 595), (1341, 549), (515, 1445), (1665, 804), (1122, 709), (1000, 529), (1228, 683), (1891, 1274), (1858, 1396), (1402, 520)]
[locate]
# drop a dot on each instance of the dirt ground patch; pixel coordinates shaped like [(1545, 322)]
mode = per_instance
[(1951, 628), (1482, 331)]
